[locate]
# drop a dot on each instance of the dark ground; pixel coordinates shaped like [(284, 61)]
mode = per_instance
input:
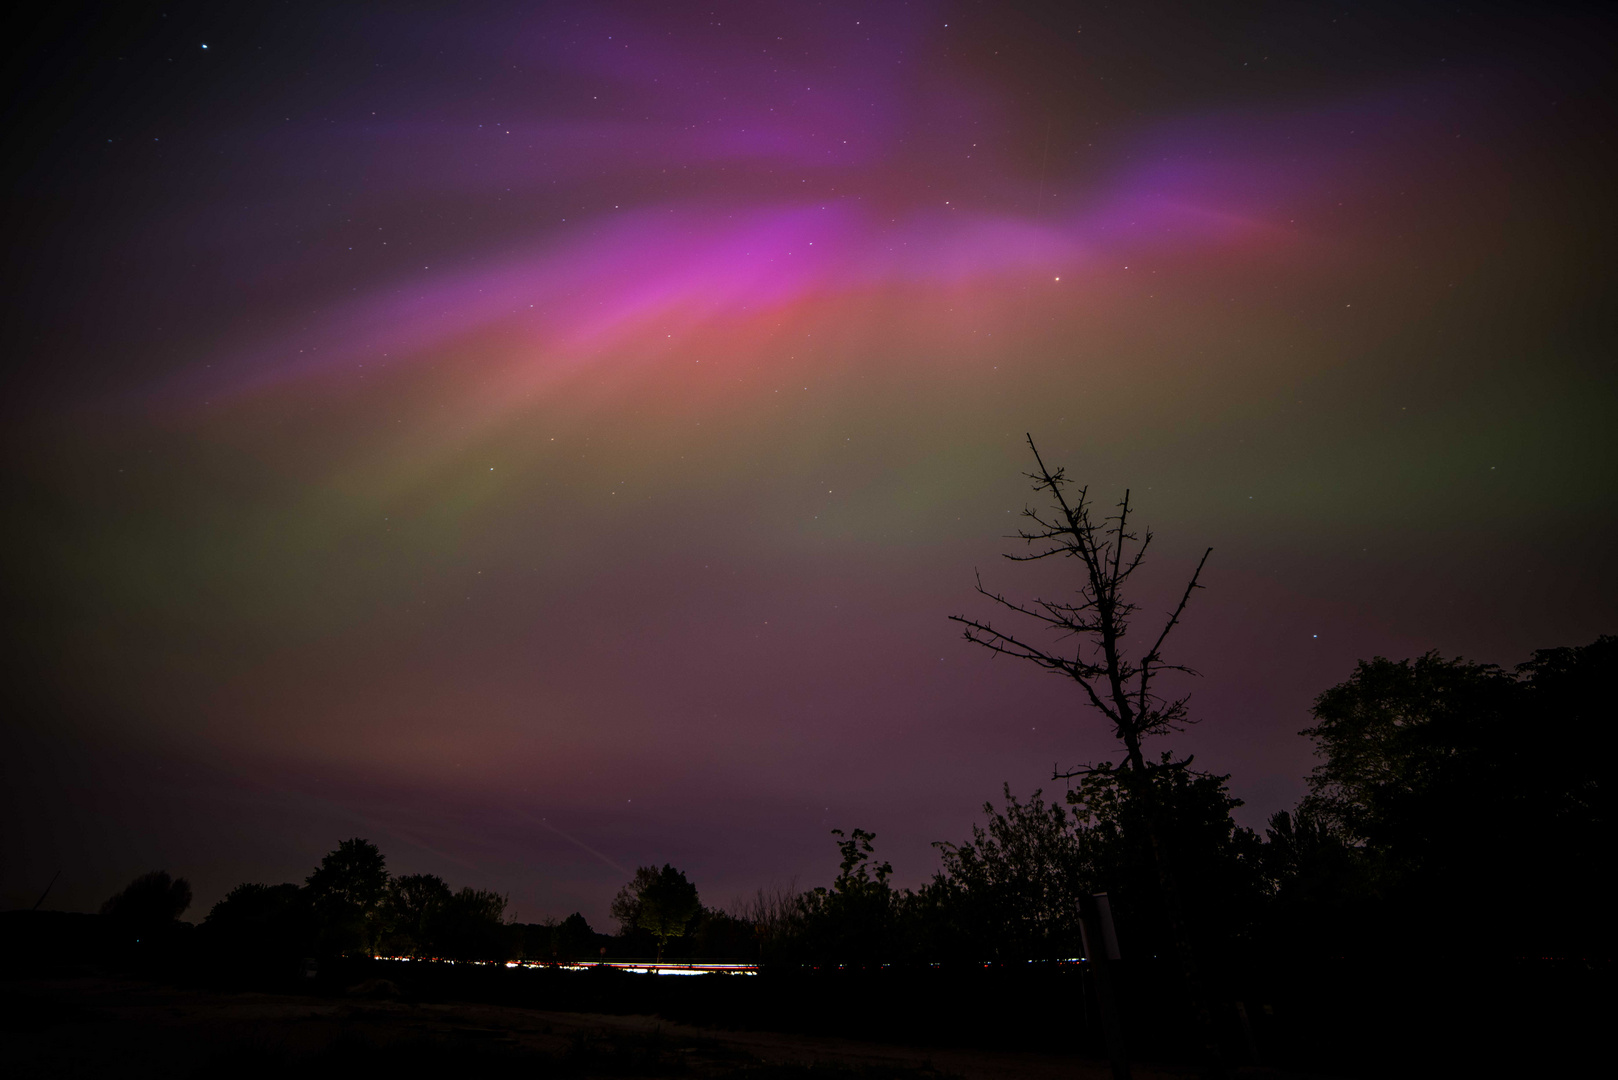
[(99, 1025), (75, 1001)]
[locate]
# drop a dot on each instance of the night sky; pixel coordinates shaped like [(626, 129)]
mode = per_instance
[(550, 438)]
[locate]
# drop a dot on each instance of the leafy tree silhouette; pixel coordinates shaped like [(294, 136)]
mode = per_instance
[(473, 926), (149, 904), (857, 920), (413, 912), (348, 890), (1438, 774), (1013, 890), (261, 928), (573, 937), (661, 902), (1014, 887)]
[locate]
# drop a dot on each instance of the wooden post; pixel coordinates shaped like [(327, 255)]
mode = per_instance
[(1100, 951)]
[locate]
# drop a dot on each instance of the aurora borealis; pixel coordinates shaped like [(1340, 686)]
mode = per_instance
[(546, 439)]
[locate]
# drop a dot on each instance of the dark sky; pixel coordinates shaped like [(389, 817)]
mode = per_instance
[(550, 438)]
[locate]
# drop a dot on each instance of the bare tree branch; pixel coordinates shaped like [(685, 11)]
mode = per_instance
[(1180, 610)]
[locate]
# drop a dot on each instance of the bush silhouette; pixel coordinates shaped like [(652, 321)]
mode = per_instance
[(149, 904)]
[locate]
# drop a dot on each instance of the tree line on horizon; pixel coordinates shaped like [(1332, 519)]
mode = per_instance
[(1435, 824), (1434, 808)]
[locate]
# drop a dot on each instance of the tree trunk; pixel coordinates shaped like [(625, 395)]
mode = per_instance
[(1201, 1018)]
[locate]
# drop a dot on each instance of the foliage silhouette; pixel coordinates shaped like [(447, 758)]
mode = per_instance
[(1013, 889), (348, 890), (414, 913), (260, 930), (661, 902), (472, 926), (1435, 773), (1187, 821), (574, 937), (855, 922), (148, 905)]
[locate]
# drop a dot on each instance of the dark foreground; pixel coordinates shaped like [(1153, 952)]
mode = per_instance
[(91, 1025), (76, 1002)]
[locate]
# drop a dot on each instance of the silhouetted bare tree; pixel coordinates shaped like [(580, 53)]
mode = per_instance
[(1083, 639), (1121, 689)]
